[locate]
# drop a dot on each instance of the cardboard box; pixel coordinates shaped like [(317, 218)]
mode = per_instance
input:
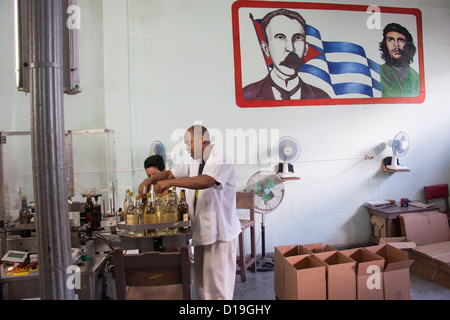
[(305, 279), (340, 275), (431, 233), (425, 227), (282, 252), (369, 274), (396, 278), (403, 243), (379, 226), (432, 262)]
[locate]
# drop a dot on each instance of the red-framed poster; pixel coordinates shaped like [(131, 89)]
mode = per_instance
[(300, 53)]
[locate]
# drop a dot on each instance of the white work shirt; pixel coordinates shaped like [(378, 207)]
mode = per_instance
[(215, 218)]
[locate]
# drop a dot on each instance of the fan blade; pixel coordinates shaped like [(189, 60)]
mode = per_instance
[(269, 183), (268, 197), (258, 188)]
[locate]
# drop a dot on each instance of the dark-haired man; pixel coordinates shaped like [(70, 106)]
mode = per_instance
[(153, 164), (285, 44), (398, 79)]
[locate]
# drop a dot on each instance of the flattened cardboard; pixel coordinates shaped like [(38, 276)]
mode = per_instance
[(396, 272), (379, 226), (403, 243), (305, 279), (369, 283), (341, 275), (431, 232)]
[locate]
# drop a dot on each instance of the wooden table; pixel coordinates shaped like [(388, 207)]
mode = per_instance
[(391, 213)]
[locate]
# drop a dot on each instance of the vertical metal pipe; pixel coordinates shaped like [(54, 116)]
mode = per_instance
[(48, 147)]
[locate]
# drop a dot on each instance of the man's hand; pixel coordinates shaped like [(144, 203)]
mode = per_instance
[(163, 175), (162, 186), (145, 185)]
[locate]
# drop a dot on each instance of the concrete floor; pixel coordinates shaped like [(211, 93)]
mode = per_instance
[(259, 286)]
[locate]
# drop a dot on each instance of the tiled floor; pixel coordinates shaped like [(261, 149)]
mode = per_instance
[(259, 286)]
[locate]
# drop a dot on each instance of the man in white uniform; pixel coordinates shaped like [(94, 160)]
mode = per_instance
[(215, 225)]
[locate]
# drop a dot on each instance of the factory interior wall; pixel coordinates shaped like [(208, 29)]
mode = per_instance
[(152, 68)]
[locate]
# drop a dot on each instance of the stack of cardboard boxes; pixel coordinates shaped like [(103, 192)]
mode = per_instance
[(314, 272), (431, 233)]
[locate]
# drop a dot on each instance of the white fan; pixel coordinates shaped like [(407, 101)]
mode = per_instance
[(269, 192), (400, 147), (288, 150), (157, 147)]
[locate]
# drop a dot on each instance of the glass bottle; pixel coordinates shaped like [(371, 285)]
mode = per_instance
[(139, 215), (160, 208), (172, 211), (125, 205), (24, 214), (130, 217), (183, 210), (150, 216), (89, 209), (174, 191)]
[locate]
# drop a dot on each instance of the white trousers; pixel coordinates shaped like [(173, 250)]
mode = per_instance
[(215, 270)]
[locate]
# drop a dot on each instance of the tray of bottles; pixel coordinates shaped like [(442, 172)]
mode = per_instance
[(183, 225)]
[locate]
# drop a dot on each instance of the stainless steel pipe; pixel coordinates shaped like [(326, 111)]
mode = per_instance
[(48, 147)]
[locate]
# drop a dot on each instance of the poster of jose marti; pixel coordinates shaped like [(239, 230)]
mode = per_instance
[(297, 53)]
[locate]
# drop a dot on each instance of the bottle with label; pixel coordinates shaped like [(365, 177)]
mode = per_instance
[(130, 217), (139, 215), (89, 209), (183, 210), (172, 211), (24, 215), (160, 208), (150, 216)]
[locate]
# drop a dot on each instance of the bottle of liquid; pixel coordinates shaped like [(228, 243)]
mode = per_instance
[(172, 211), (130, 217), (24, 215), (183, 210), (89, 209), (125, 205), (139, 216), (150, 216), (160, 208), (174, 191)]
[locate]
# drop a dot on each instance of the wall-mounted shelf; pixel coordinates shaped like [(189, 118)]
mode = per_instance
[(290, 178), (383, 167)]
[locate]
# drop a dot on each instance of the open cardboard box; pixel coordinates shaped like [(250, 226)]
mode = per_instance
[(305, 279), (340, 273), (282, 252), (396, 278), (369, 274)]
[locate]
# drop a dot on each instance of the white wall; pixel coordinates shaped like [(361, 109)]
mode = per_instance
[(150, 67)]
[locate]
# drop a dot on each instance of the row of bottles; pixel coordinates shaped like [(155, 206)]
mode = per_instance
[(142, 210)]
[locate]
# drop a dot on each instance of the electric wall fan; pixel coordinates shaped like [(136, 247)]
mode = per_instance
[(288, 149), (400, 147), (269, 192), (157, 147)]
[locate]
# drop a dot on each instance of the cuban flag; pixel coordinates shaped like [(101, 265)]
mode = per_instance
[(341, 69)]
